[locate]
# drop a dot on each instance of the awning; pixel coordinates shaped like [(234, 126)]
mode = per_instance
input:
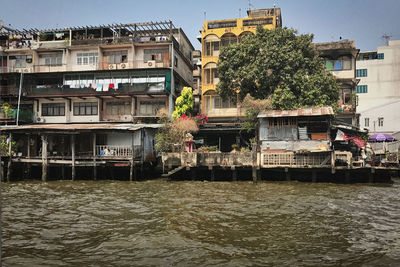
[(80, 127)]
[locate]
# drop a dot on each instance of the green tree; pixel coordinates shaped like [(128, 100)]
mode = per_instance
[(278, 64), (184, 103)]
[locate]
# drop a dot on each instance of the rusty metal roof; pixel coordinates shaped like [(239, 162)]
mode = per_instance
[(301, 112), (80, 127)]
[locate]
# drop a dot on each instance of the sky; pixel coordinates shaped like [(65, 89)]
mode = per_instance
[(364, 21)]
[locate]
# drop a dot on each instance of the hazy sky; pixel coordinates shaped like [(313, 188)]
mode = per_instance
[(364, 21)]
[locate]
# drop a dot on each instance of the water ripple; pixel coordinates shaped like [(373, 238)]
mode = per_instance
[(160, 223)]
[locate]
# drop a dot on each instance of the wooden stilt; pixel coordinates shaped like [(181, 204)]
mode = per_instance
[(254, 174), (131, 172), (9, 165), (347, 175), (135, 175), (193, 173), (288, 178), (73, 157), (94, 157), (63, 171), (211, 169), (371, 175), (314, 176), (234, 173), (44, 158)]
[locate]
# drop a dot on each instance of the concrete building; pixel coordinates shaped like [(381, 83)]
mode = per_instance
[(340, 60), (93, 92), (197, 80), (379, 88), (224, 126)]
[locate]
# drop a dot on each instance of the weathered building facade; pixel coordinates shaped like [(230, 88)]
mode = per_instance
[(78, 81), (340, 60)]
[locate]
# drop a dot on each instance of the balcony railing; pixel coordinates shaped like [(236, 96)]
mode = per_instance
[(108, 151), (149, 86), (120, 40), (10, 90)]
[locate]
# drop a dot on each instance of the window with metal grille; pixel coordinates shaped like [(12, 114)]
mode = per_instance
[(53, 109), (85, 108)]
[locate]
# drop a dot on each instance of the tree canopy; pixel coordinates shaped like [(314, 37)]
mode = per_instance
[(278, 64)]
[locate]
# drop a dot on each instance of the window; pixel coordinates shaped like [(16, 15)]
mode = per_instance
[(20, 61), (52, 59), (380, 56), (366, 122), (175, 61), (222, 24), (150, 107), (228, 39), (211, 48), (53, 109), (342, 63), (346, 96), (362, 89), (380, 122), (254, 22), (218, 102), (85, 108), (155, 54), (361, 73), (118, 108), (116, 57), (87, 58), (210, 76)]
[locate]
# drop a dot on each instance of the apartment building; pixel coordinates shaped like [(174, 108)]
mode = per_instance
[(379, 88), (220, 33), (114, 76), (340, 60), (215, 35)]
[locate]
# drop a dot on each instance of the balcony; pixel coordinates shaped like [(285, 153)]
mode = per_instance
[(124, 152), (121, 40), (9, 90), (155, 85)]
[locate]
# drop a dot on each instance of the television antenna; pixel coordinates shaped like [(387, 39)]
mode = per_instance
[(250, 5), (386, 37)]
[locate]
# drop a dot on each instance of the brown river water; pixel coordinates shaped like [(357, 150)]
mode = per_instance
[(161, 223)]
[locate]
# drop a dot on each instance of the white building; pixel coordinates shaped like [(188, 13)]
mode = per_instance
[(378, 90)]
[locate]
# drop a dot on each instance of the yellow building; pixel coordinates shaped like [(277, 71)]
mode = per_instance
[(217, 34)]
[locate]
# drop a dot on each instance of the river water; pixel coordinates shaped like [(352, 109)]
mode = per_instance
[(161, 223)]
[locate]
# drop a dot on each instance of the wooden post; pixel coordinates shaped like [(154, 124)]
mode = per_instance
[(371, 175), (288, 178), (9, 165), (314, 176), (94, 157), (210, 168), (193, 173), (63, 171), (131, 165), (254, 174), (28, 147), (132, 161), (234, 173), (347, 175), (73, 157), (44, 158)]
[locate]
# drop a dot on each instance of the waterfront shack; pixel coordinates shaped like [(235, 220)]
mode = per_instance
[(292, 145), (69, 146)]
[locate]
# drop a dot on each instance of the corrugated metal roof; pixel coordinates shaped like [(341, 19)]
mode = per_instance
[(77, 127), (313, 111)]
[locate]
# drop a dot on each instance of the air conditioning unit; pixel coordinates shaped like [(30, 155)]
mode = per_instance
[(123, 65), (40, 120), (151, 64), (112, 66)]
